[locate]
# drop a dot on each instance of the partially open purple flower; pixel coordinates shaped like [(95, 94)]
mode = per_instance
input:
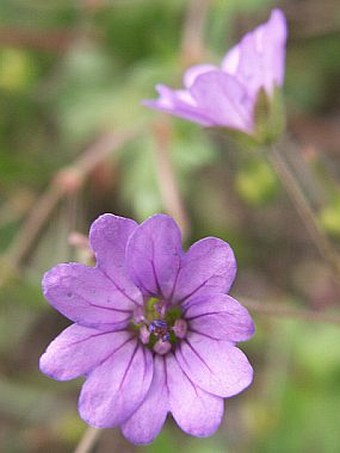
[(154, 330), (226, 96)]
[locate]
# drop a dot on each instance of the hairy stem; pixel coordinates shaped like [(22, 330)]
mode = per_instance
[(167, 181), (304, 210)]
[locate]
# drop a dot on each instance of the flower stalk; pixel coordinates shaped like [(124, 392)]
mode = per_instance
[(88, 441), (304, 209)]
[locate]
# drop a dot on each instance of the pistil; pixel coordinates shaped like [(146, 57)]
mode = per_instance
[(160, 325)]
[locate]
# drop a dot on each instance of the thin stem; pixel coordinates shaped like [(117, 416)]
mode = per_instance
[(88, 441), (304, 210), (284, 311), (296, 159), (46, 41), (67, 181), (193, 31), (167, 180)]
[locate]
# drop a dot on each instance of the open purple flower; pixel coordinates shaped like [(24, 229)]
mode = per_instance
[(154, 330), (226, 96)]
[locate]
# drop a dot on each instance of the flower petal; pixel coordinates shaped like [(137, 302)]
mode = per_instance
[(216, 366), (224, 100), (77, 350), (147, 421), (219, 317), (108, 237), (178, 103), (231, 60), (153, 255), (274, 54), (258, 60), (197, 412), (87, 296), (208, 266), (115, 389), (193, 72)]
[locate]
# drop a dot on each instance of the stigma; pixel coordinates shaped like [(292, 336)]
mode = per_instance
[(160, 329), (160, 326)]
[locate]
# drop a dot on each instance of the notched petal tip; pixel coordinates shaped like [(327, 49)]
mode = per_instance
[(153, 255), (56, 278), (109, 234), (115, 389), (153, 224), (218, 367), (208, 266), (53, 277), (197, 412), (220, 317), (147, 421)]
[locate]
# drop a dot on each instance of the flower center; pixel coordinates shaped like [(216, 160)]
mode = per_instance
[(159, 329), (160, 325)]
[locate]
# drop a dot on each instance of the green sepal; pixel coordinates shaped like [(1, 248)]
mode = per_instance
[(269, 122), (269, 117)]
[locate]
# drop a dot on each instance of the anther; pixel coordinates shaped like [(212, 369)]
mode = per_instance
[(144, 334), (180, 328), (162, 347)]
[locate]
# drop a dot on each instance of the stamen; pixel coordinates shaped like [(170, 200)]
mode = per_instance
[(144, 334), (157, 324), (162, 347), (180, 328), (160, 325), (139, 315), (160, 307), (159, 328)]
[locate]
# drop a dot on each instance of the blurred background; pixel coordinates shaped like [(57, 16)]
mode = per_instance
[(75, 142)]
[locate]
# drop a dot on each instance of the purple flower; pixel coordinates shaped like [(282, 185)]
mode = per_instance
[(154, 330), (226, 96)]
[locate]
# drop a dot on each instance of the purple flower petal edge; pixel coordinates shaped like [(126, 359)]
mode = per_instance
[(154, 331), (226, 96)]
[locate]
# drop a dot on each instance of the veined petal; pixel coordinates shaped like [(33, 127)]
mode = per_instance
[(196, 412), (224, 100), (153, 255), (208, 266), (108, 237), (275, 33), (193, 72), (178, 103), (147, 421), (77, 350), (258, 60), (220, 317), (216, 366), (87, 296), (250, 70), (231, 60), (115, 389)]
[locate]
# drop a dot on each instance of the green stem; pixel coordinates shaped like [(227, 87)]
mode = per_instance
[(88, 441), (284, 311), (303, 208)]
